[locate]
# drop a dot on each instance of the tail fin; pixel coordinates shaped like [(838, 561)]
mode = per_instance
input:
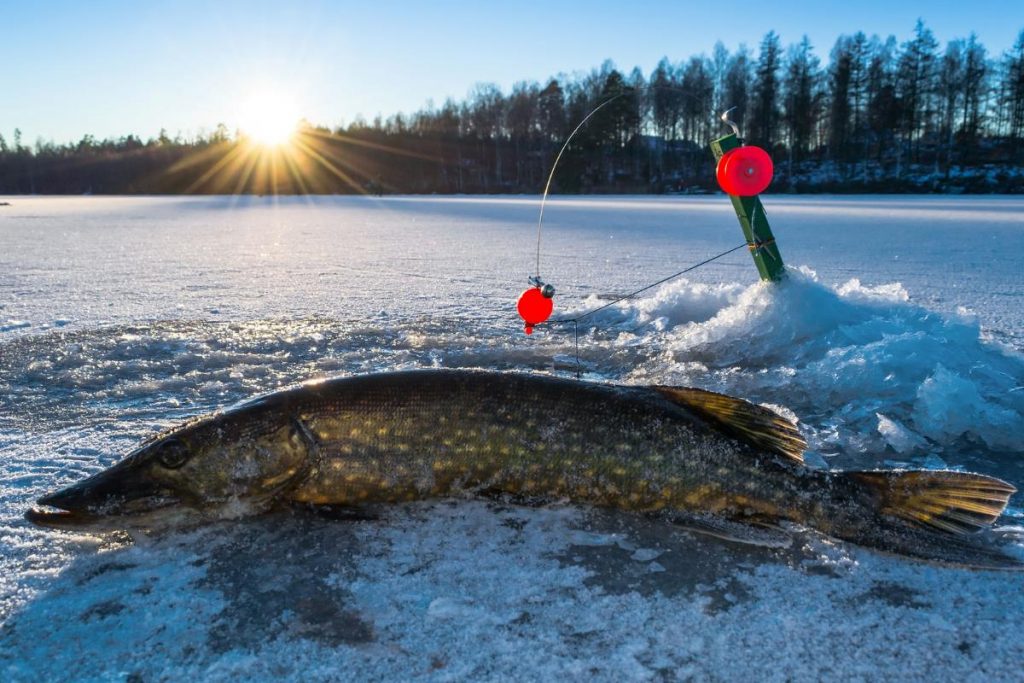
[(951, 502), (929, 515)]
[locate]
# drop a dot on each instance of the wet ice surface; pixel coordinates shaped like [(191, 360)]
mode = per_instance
[(898, 342)]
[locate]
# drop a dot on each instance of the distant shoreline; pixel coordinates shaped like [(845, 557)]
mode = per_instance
[(956, 192), (510, 195)]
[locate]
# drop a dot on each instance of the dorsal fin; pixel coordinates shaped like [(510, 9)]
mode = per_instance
[(761, 428)]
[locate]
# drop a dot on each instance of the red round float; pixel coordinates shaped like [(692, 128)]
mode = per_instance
[(534, 308), (745, 171)]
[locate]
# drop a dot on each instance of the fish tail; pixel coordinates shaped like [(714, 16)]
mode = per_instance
[(926, 514), (950, 502)]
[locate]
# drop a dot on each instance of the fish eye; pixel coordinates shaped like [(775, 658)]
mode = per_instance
[(173, 454)]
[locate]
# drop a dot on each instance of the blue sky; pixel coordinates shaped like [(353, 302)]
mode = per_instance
[(110, 68)]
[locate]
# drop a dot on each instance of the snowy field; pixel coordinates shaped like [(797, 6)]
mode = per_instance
[(898, 340)]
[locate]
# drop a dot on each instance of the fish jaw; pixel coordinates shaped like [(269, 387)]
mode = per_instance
[(62, 519), (122, 490)]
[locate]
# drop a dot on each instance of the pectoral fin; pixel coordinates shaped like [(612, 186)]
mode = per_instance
[(762, 535), (335, 513)]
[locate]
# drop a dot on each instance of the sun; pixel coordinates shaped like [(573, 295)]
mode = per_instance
[(268, 119)]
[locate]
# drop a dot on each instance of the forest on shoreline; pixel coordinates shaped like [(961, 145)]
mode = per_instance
[(879, 116)]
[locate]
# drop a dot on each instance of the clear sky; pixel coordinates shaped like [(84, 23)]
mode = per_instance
[(109, 68)]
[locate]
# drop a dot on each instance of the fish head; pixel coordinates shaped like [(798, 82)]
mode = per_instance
[(235, 462)]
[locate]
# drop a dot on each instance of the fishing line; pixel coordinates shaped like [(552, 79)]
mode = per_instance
[(536, 280), (578, 128), (752, 246), (554, 167), (576, 320), (650, 286)]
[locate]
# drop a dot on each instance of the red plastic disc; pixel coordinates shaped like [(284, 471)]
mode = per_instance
[(534, 307), (745, 171), (720, 171)]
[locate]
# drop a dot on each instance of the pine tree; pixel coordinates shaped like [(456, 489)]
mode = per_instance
[(882, 107), (951, 87), (916, 84), (521, 118), (665, 100), (638, 100), (976, 89), (719, 68), (551, 104), (738, 82), (1013, 96), (840, 74), (801, 98), (858, 95), (698, 102), (764, 124)]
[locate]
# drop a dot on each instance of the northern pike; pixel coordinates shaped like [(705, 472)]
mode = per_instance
[(713, 462)]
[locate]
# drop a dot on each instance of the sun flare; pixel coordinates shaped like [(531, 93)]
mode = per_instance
[(269, 119)]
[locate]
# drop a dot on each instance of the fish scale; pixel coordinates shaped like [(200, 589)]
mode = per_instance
[(427, 435)]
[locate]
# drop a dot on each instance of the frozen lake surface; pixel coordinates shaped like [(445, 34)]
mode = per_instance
[(898, 340)]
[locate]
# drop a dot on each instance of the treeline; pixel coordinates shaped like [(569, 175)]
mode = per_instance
[(878, 116)]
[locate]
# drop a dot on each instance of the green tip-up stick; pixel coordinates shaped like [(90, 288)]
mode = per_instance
[(753, 219)]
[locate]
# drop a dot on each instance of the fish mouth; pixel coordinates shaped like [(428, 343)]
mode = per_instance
[(60, 519), (117, 492), (137, 509)]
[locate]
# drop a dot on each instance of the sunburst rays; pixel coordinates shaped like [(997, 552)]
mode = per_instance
[(311, 161)]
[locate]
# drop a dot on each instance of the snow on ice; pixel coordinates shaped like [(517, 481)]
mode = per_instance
[(896, 340)]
